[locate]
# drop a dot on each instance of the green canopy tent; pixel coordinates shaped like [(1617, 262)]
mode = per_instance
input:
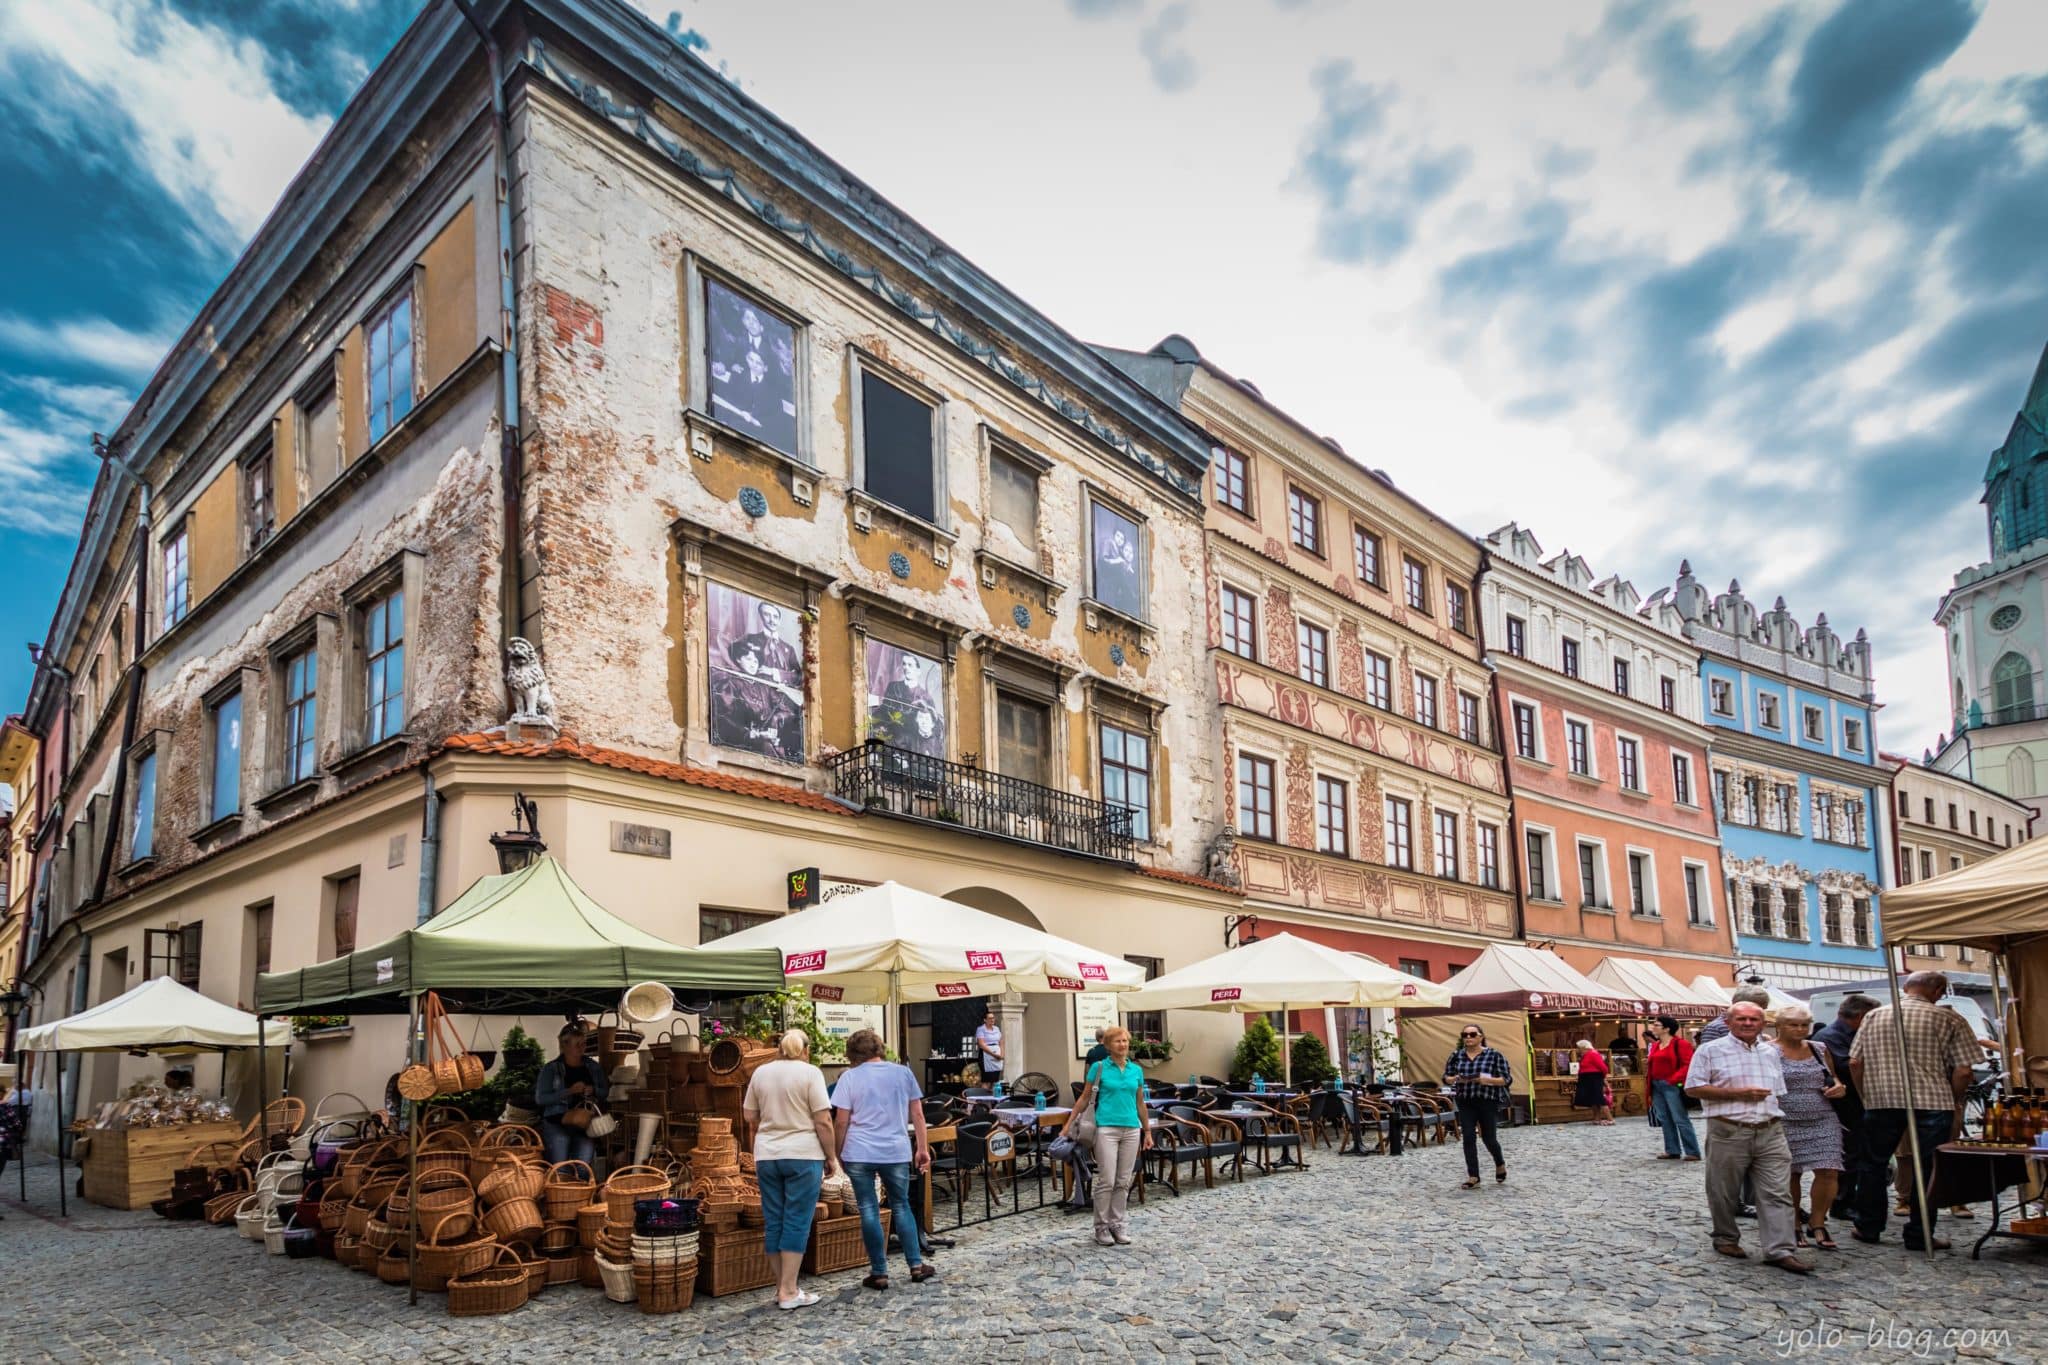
[(531, 939)]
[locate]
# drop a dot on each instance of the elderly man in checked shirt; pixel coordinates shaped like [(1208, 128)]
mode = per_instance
[(1738, 1081), (1926, 1093)]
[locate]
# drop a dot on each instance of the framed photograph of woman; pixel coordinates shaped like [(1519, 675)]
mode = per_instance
[(753, 367), (1116, 560), (757, 674), (906, 701)]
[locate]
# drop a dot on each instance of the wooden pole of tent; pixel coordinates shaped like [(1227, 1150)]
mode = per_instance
[(1891, 971), (62, 1210), (2004, 1024), (412, 1161)]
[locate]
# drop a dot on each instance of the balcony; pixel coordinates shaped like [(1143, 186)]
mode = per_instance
[(886, 780)]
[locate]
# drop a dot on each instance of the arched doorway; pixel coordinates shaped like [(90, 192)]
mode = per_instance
[(990, 901)]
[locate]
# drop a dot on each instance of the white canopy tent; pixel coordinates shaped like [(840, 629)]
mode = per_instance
[(891, 944), (1709, 989), (1284, 973), (157, 1016), (1655, 989)]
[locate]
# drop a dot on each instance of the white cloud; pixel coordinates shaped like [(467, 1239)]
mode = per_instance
[(91, 343), (46, 461)]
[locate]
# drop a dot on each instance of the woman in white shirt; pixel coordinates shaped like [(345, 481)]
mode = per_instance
[(791, 1118)]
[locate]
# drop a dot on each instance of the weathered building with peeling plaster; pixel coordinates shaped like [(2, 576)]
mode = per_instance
[(835, 555)]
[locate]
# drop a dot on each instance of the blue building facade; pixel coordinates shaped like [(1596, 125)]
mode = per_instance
[(1797, 790)]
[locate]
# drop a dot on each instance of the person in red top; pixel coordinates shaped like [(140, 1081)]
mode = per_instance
[(1592, 1092), (1670, 1058)]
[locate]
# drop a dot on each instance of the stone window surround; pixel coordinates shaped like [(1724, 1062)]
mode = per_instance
[(1134, 713), (1839, 830), (994, 445), (871, 615), (320, 632), (1599, 896), (859, 363), (1706, 890), (1653, 904), (697, 272), (1542, 754), (404, 570), (1592, 745), (1551, 890), (1091, 495), (1642, 782), (1768, 780)]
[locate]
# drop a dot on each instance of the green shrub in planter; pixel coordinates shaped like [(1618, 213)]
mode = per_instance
[(1258, 1053), (1311, 1062)]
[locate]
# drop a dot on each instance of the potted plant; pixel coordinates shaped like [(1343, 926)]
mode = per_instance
[(312, 1026), (1258, 1053), (1152, 1051)]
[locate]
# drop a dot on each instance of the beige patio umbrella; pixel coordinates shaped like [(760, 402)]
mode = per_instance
[(1284, 973)]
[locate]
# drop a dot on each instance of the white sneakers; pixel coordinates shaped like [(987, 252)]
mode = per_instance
[(803, 1299)]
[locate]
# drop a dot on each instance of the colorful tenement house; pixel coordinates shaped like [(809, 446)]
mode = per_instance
[(1795, 785), (1996, 620), (1599, 701)]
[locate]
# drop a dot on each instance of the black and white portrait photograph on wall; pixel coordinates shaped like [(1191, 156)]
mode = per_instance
[(906, 699), (1119, 573), (753, 367), (757, 675)]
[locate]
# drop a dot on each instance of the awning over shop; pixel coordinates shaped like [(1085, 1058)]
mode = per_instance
[(1653, 988), (159, 1015), (1285, 972), (1985, 905), (528, 938)]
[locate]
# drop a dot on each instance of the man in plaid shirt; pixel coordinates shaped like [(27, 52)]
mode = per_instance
[(1925, 1091)]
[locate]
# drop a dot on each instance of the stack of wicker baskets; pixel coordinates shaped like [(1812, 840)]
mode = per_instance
[(664, 1272), (511, 1196), (719, 1185)]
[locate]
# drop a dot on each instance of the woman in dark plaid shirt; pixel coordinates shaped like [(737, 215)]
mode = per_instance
[(1478, 1075)]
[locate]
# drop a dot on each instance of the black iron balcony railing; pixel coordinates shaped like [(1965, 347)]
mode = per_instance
[(892, 781)]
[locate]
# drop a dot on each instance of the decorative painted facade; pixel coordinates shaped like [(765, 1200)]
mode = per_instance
[(1942, 824), (1597, 698), (1995, 618), (1368, 798), (1794, 782)]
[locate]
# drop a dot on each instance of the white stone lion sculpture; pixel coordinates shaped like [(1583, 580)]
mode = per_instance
[(526, 683)]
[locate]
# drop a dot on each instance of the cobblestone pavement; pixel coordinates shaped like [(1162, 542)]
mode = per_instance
[(1592, 1250)]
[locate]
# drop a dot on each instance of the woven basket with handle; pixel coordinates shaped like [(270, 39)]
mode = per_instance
[(568, 1187), (498, 1287)]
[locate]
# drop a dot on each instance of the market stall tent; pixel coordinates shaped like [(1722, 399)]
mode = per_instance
[(526, 939), (1284, 973), (160, 1015), (1653, 988), (1709, 989)]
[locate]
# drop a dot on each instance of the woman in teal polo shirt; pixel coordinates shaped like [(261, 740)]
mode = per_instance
[(1123, 1129)]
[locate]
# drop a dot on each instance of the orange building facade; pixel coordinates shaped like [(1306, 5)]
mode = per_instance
[(1597, 698)]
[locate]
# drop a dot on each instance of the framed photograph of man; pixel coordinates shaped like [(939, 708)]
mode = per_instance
[(1116, 560), (752, 363), (906, 699), (757, 674)]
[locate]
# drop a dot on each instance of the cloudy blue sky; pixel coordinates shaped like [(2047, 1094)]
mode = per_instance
[(1756, 284)]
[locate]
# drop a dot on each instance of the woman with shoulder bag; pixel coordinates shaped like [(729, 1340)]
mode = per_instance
[(1113, 1102), (1812, 1129), (1670, 1057)]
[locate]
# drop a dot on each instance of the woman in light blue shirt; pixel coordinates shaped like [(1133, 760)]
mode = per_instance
[(876, 1111), (1123, 1130)]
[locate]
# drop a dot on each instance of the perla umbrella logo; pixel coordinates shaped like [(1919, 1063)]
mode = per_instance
[(1226, 993), (792, 963), (984, 961)]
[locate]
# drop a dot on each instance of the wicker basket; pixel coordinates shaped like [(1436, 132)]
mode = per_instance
[(751, 1215), (836, 1245), (587, 1273), (564, 1192), (730, 1262), (556, 1237), (444, 1254), (392, 1265), (590, 1221), (250, 1216), (536, 1269), (445, 1149), (442, 1195), (515, 1220), (498, 1287), (221, 1209), (380, 1236), (617, 1280), (665, 1289), (634, 1182), (507, 1139), (659, 1251), (348, 1249), (562, 1265), (332, 1211), (512, 1177)]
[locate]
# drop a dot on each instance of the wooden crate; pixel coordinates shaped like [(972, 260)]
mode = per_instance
[(129, 1168), (836, 1244), (730, 1260)]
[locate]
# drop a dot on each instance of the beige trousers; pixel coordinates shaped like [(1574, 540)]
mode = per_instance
[(1116, 1163), (1760, 1153)]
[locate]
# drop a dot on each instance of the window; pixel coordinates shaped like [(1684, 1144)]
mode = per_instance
[(1415, 968), (1454, 608), (1767, 710), (1578, 747), (1379, 681), (1415, 582), (1333, 817), (301, 714), (1788, 805), (226, 789), (1425, 699), (1697, 911), (1147, 1023), (714, 924), (1468, 718), (319, 434), (1525, 729), (1013, 495), (1973, 822), (1621, 676), (1926, 864), (1399, 850), (1641, 885), (1905, 866), (1365, 556), (1447, 845), (1233, 482), (1240, 623), (1117, 568), (1630, 754), (1667, 694), (1905, 806), (383, 636), (1955, 862), (1591, 892), (1255, 796), (1539, 866), (1832, 928), (1518, 637), (191, 941), (142, 821), (1815, 723), (1489, 856), (259, 500), (1721, 696), (1952, 815), (177, 577), (2012, 690), (1023, 727), (1570, 657), (1681, 779), (1312, 652), (1927, 806), (1127, 775), (751, 367), (1304, 520), (389, 336), (262, 918), (897, 459)]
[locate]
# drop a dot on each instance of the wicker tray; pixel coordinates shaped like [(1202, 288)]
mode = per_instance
[(836, 1245), (730, 1261)]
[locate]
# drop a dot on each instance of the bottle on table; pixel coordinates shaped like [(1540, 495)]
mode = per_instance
[(1038, 1100), (1258, 1084)]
